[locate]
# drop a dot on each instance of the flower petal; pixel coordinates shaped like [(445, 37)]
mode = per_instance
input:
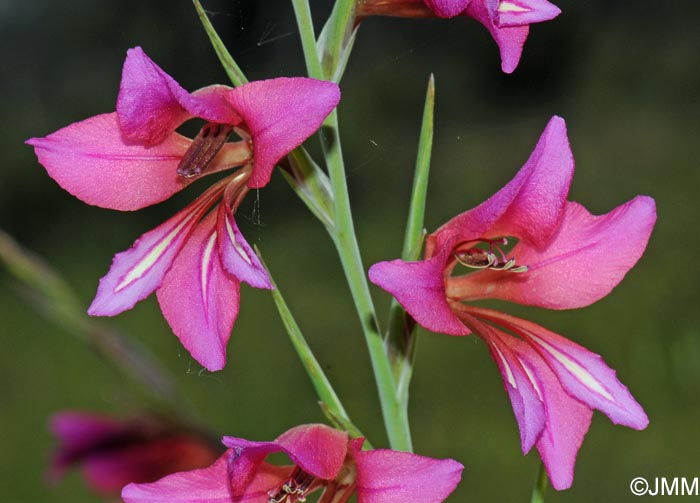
[(199, 299), (317, 449), (151, 104), (136, 272), (206, 485), (524, 12), (419, 287), (567, 421), (522, 387), (280, 114), (583, 374), (447, 8), (237, 256), (510, 40), (94, 162), (386, 476), (530, 206), (587, 257)]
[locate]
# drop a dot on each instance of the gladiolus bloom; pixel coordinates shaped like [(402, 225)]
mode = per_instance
[(114, 452), (134, 157), (564, 258), (508, 21), (323, 459)]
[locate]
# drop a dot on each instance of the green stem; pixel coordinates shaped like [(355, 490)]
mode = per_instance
[(308, 38), (395, 417), (540, 485), (338, 37)]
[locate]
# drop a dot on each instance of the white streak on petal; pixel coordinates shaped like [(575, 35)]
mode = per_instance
[(531, 377), (509, 372), (235, 243), (143, 265), (205, 269), (585, 377), (511, 7)]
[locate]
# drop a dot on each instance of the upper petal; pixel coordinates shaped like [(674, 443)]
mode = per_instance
[(237, 256), (420, 288), (523, 12), (583, 374), (586, 258), (93, 161), (510, 40), (151, 104), (317, 449), (447, 8), (280, 114), (386, 476), (136, 272), (199, 299), (528, 207)]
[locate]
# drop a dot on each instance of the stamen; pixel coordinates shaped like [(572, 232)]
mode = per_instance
[(205, 146), (295, 487), (478, 258)]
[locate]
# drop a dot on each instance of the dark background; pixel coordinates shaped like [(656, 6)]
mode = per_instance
[(626, 77)]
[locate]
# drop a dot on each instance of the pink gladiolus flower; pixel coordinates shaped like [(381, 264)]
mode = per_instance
[(508, 21), (114, 452), (323, 459), (134, 157), (564, 258)]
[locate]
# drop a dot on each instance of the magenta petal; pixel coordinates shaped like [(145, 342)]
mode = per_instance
[(447, 8), (583, 374), (136, 272), (587, 257), (199, 299), (148, 105), (522, 387), (237, 256), (522, 12), (419, 287), (386, 476), (280, 114), (567, 423), (94, 162), (510, 40), (531, 204), (207, 485)]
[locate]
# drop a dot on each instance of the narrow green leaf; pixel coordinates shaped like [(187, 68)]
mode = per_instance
[(343, 424), (541, 483), (337, 37), (308, 38), (318, 378), (232, 69), (401, 340), (311, 185)]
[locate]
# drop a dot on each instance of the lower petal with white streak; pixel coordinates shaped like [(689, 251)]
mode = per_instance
[(199, 299)]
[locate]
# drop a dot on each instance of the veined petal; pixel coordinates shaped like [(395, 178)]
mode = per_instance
[(206, 485), (386, 476), (530, 206), (586, 258), (419, 287), (135, 273), (447, 8), (317, 449), (93, 161), (510, 40), (522, 386), (237, 256), (151, 104), (280, 114), (583, 374), (567, 421), (523, 12), (199, 299)]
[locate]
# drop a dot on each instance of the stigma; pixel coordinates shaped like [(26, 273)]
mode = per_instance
[(294, 488), (494, 258)]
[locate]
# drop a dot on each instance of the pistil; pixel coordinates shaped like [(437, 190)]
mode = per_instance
[(478, 258), (294, 488), (208, 142)]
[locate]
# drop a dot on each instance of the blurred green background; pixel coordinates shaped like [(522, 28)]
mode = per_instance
[(626, 77)]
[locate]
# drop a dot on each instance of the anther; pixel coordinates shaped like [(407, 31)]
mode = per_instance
[(208, 142), (478, 258), (295, 487)]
